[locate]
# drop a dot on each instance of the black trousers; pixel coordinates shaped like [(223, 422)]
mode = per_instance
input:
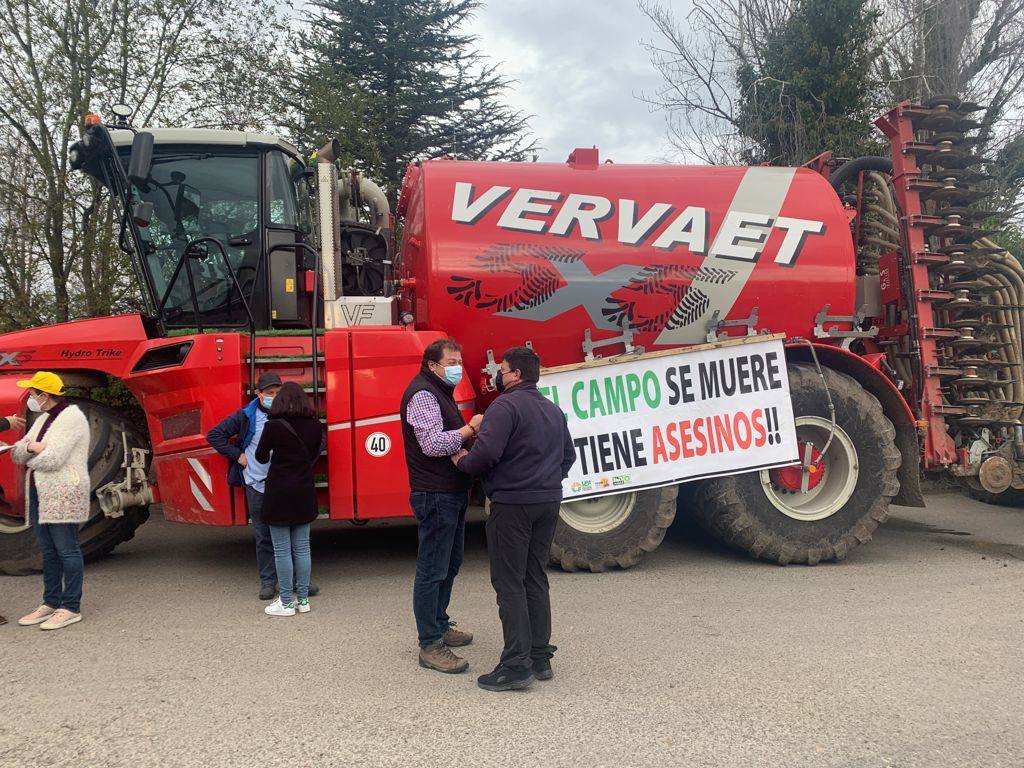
[(519, 544)]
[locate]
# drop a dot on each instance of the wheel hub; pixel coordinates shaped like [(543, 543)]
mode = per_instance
[(829, 486), (790, 479)]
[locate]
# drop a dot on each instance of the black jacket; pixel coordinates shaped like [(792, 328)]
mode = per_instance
[(289, 495), (432, 474), (524, 449)]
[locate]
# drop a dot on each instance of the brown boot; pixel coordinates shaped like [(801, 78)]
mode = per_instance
[(440, 657), (456, 638)]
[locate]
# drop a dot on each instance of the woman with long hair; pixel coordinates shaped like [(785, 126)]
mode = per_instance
[(292, 441), (55, 452)]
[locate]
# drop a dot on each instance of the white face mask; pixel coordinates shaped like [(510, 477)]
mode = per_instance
[(33, 405)]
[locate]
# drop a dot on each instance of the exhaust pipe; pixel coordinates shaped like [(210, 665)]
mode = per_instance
[(329, 152), (365, 191)]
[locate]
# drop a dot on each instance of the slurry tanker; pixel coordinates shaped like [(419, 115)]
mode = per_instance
[(900, 324)]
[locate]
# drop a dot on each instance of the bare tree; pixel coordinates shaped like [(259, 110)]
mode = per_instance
[(765, 80), (968, 48), (180, 62), (699, 57)]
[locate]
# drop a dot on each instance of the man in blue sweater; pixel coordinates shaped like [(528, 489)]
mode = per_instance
[(245, 426), (524, 451)]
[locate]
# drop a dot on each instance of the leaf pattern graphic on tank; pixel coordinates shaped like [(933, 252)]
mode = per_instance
[(534, 282)]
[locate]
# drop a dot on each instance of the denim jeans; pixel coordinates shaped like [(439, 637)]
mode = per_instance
[(63, 566), (264, 546), (442, 534), (294, 564)]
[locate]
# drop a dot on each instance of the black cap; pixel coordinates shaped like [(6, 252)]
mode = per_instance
[(268, 379)]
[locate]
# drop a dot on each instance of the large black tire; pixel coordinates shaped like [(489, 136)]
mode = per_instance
[(736, 508), (19, 554), (646, 517), (1011, 497)]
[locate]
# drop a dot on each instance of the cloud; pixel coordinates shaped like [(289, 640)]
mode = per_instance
[(579, 67)]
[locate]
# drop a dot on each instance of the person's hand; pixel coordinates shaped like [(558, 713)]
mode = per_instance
[(243, 461), (476, 421), (36, 447), (17, 422), (455, 458)]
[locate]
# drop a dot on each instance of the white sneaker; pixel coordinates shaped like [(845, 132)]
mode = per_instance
[(38, 616), (303, 606), (277, 608), (61, 618)]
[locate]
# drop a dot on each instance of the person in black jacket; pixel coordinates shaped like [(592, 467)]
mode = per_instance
[(291, 442), (524, 451)]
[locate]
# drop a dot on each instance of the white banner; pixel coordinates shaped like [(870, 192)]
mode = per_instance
[(662, 419)]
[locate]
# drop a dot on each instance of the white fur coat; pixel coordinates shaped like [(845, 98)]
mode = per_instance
[(61, 471)]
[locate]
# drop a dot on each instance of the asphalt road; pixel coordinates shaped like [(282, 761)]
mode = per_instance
[(907, 654)]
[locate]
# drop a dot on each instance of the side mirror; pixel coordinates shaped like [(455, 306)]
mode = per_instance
[(142, 214), (141, 160)]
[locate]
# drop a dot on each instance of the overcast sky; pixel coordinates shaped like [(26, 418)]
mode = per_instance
[(580, 67)]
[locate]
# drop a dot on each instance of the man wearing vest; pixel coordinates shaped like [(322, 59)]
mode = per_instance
[(433, 430)]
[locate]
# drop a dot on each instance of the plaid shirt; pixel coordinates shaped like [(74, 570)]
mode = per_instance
[(424, 415)]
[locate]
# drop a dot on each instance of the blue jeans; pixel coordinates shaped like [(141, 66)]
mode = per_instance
[(63, 566), (442, 534), (294, 564), (264, 545)]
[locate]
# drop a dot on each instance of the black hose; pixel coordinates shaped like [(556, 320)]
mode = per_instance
[(852, 167)]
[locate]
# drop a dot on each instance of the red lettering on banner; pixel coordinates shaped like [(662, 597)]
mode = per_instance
[(702, 441), (742, 421), (658, 444), (760, 435), (723, 433), (705, 435), (685, 437), (673, 440)]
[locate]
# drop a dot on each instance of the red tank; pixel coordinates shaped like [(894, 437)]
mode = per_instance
[(504, 253)]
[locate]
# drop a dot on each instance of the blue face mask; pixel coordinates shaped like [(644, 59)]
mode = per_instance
[(267, 402), (453, 374)]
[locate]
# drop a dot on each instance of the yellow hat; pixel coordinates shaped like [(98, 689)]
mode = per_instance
[(44, 381)]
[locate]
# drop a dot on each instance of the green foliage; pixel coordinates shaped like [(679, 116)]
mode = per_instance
[(810, 88), (1011, 237), (116, 395), (397, 79)]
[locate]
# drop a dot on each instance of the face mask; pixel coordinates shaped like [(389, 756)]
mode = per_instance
[(34, 406), (453, 374), (499, 383), (267, 401)]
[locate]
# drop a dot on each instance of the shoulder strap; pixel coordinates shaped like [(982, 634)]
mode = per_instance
[(291, 429)]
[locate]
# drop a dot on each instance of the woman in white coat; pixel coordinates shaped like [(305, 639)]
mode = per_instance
[(55, 452)]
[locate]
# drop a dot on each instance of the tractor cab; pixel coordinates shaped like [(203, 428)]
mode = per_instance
[(225, 231)]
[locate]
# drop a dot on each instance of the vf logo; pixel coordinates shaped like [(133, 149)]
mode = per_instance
[(378, 444)]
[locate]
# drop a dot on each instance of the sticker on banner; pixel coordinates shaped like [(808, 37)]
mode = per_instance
[(378, 444)]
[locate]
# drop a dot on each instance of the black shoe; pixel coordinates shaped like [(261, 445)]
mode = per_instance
[(542, 669), (502, 679), (267, 591), (314, 590)]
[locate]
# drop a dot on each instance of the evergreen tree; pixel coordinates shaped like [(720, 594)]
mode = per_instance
[(810, 88), (417, 82)]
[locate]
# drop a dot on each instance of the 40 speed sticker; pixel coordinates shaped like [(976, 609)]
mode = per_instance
[(378, 444)]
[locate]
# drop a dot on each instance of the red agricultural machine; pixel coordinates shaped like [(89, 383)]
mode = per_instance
[(903, 323)]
